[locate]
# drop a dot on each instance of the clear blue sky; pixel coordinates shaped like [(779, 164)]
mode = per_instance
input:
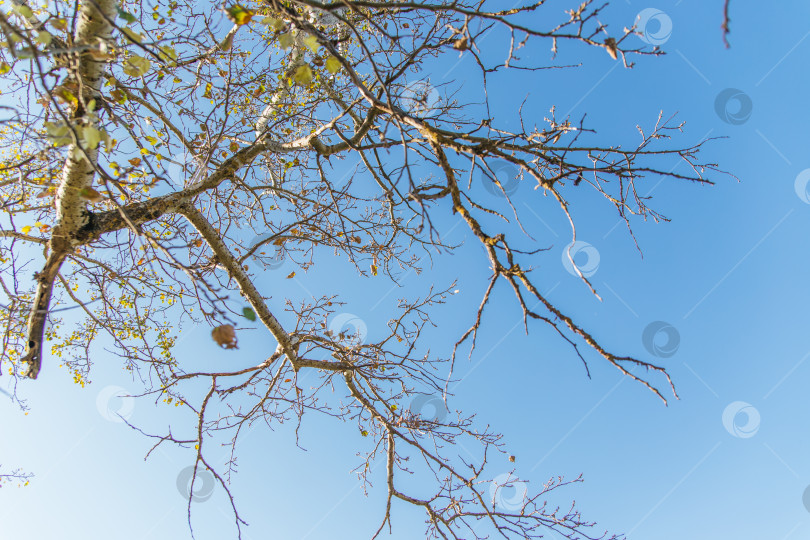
[(728, 274)]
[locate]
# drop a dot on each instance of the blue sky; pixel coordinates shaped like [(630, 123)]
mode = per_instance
[(728, 274)]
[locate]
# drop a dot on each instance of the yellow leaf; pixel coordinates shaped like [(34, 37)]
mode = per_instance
[(26, 229), (239, 14), (4, 68), (291, 275), (374, 269), (303, 75), (207, 93), (333, 64), (65, 95), (312, 43), (59, 24)]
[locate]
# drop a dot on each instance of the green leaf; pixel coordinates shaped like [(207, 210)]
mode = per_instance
[(133, 35), (91, 136), (286, 40), (129, 17), (44, 38), (59, 134), (136, 65), (276, 24), (239, 14), (22, 10), (249, 314), (169, 52)]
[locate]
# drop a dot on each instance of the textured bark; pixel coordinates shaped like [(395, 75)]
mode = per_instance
[(246, 286), (77, 174)]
